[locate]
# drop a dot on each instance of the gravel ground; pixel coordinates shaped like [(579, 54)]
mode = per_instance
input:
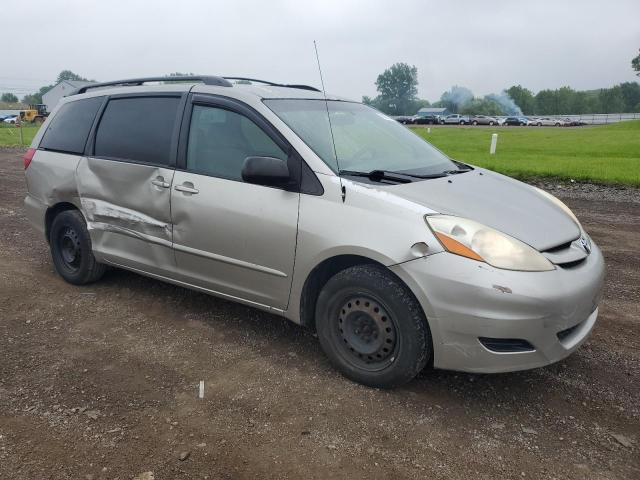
[(101, 382)]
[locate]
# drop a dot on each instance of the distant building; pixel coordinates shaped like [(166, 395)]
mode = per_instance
[(64, 88), (425, 111)]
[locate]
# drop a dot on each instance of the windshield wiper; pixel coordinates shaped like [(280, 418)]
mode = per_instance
[(378, 175), (455, 172)]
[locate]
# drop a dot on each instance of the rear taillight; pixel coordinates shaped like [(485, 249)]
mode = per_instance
[(28, 157)]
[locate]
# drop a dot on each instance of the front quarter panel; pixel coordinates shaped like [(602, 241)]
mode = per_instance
[(372, 222)]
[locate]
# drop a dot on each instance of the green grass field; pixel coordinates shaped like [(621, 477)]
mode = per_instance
[(10, 135), (602, 154)]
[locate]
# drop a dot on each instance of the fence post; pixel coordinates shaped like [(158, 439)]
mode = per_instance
[(494, 142)]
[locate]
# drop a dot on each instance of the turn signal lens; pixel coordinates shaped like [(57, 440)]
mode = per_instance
[(456, 247)]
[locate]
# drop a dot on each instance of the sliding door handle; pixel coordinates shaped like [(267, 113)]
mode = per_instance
[(159, 182)]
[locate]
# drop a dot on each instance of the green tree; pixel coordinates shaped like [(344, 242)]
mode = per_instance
[(579, 103), (69, 75), (545, 102), (611, 100), (9, 98), (398, 88), (635, 64), (631, 94), (523, 98), (481, 106)]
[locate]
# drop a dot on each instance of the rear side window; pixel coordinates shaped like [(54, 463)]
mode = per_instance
[(138, 129), (69, 128)]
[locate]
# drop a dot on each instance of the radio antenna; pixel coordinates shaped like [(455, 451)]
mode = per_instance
[(326, 104)]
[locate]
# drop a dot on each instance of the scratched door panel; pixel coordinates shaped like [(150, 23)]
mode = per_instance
[(127, 207)]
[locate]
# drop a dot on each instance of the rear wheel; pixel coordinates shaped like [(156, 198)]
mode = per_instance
[(474, 122), (491, 124), (71, 249), (372, 328)]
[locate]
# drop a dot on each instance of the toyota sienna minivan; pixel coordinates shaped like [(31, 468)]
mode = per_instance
[(322, 210)]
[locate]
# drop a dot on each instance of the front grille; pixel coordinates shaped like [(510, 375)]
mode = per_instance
[(566, 255), (506, 345)]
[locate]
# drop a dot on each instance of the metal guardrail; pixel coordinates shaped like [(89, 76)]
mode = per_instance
[(601, 118)]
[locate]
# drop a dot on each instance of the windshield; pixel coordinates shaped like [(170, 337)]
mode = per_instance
[(365, 139)]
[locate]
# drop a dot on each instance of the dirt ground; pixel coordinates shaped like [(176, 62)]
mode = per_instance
[(101, 382)]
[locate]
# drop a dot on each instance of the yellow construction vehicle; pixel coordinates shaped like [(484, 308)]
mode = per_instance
[(35, 114)]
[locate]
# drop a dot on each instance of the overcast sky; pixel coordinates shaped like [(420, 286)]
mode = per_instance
[(483, 45)]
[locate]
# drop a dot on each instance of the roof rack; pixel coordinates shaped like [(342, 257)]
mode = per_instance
[(272, 84), (206, 79)]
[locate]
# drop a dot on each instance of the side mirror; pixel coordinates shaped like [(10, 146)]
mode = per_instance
[(267, 171)]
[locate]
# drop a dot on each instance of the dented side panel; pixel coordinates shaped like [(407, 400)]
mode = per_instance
[(128, 212), (50, 180)]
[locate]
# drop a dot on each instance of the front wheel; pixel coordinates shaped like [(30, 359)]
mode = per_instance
[(372, 328), (71, 249)]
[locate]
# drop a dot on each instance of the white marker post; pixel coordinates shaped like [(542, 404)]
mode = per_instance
[(428, 129), (494, 143), (201, 389)]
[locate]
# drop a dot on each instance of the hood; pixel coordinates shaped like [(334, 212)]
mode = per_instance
[(497, 201)]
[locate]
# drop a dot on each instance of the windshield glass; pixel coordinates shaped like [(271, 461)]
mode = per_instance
[(365, 138)]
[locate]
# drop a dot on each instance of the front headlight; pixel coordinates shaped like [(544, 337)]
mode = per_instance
[(473, 240)]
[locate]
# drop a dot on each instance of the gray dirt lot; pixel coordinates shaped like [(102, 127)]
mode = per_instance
[(101, 382)]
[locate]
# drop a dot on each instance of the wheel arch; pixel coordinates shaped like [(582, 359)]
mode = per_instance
[(327, 268), (53, 211)]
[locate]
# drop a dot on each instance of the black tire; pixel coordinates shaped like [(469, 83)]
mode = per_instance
[(71, 250), (474, 122), (491, 124), (372, 328)]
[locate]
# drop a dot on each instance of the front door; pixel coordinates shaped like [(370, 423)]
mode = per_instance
[(231, 237), (125, 182)]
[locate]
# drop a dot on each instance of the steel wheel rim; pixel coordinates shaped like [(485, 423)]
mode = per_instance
[(366, 335), (70, 248)]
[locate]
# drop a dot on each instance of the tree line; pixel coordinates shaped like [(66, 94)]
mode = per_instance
[(397, 90)]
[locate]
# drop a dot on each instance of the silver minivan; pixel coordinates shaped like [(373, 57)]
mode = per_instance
[(322, 210)]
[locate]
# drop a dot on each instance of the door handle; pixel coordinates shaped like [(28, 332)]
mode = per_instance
[(159, 182), (187, 187)]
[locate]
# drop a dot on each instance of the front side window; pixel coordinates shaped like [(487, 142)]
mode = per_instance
[(220, 140), (365, 139), (138, 129)]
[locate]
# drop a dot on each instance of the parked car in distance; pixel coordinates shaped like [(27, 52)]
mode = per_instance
[(483, 120), (403, 257), (515, 121), (429, 119), (404, 119), (10, 119), (574, 123), (548, 122), (455, 119)]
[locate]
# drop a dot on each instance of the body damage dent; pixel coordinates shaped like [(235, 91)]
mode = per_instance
[(103, 215)]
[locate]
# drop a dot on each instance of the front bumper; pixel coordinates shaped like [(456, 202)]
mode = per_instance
[(465, 300)]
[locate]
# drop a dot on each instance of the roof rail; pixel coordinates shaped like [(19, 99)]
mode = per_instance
[(206, 79), (272, 84)]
